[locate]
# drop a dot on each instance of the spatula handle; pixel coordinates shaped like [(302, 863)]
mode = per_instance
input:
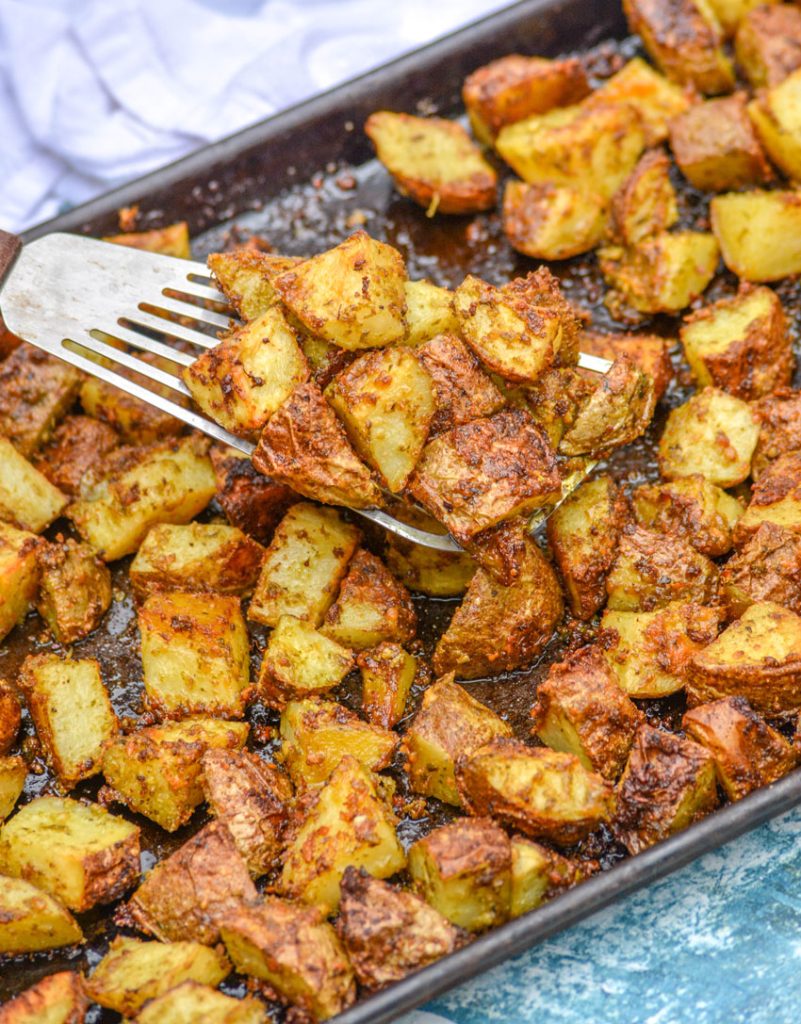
[(10, 246)]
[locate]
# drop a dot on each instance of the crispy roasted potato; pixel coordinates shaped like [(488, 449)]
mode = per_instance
[(54, 688), (184, 897), (759, 233), (582, 710), (19, 575), (10, 717), (553, 222), (654, 97), (77, 444), (617, 411), (539, 295), (462, 391), (556, 397), (303, 566), (730, 13), (74, 590), (747, 752), (156, 771), (645, 204), (514, 87), (371, 607), (776, 114), (775, 498), (13, 773), (537, 874), (132, 972), (433, 161), (449, 724), (716, 147), (387, 676), (252, 798), (544, 793), (685, 40), (669, 783), (57, 999), (648, 351), (712, 435), (650, 652), (389, 932), (246, 278), (316, 734), (195, 654), (169, 482), (464, 870), (692, 508), (768, 43), (252, 502), (757, 657), (766, 568), (349, 825), (27, 498), (170, 241), (300, 662), (36, 390), (295, 951), (437, 573), (779, 418), (77, 852), (500, 628), (32, 920), (429, 312), (352, 295), (191, 1001), (305, 447), (135, 421)]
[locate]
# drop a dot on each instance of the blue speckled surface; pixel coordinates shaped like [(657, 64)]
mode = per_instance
[(717, 943)]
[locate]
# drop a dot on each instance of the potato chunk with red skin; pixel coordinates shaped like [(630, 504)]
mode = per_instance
[(10, 717), (766, 568), (388, 932), (36, 390), (775, 498), (500, 628), (648, 351), (582, 710), (305, 447), (669, 783), (747, 752), (74, 590), (768, 44), (252, 502), (476, 475), (462, 390), (692, 508), (77, 443), (779, 417), (645, 203)]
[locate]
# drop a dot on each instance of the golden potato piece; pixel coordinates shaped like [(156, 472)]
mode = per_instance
[(759, 233), (352, 295), (645, 204), (648, 351), (190, 1002), (712, 435), (10, 717), (429, 312), (539, 873), (32, 920), (556, 397), (437, 573), (776, 114), (692, 508), (552, 222), (74, 590), (36, 390), (253, 503), (462, 390), (246, 278), (13, 774), (27, 498), (19, 575), (433, 161), (779, 418), (78, 442), (768, 43), (300, 662), (730, 13), (172, 240), (775, 498), (766, 568), (387, 676), (654, 97), (56, 999)]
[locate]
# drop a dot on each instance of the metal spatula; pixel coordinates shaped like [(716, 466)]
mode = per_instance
[(77, 298)]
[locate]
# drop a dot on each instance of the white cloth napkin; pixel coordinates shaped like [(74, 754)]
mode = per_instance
[(95, 92)]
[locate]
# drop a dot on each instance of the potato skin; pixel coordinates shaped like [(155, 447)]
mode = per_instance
[(78, 442), (768, 44), (74, 590), (252, 502), (36, 390), (691, 508), (779, 417), (648, 351), (775, 497), (645, 203), (10, 717), (463, 391), (766, 568), (61, 991)]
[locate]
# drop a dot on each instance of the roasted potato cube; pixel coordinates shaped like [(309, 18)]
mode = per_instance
[(478, 474), (669, 783), (539, 295), (650, 652), (195, 653), (252, 502), (315, 735), (19, 575), (387, 676), (712, 435), (56, 999), (247, 377), (775, 498), (537, 874), (32, 920), (196, 556), (372, 606), (501, 549), (156, 771), (27, 498), (299, 662), (165, 483), (10, 717), (77, 444), (349, 824), (663, 273), (449, 724), (464, 870), (462, 390), (388, 932), (185, 896), (645, 204), (352, 295), (386, 401), (246, 277), (54, 688), (515, 87), (685, 40), (36, 390), (590, 145), (730, 13), (190, 1002), (13, 773), (555, 398), (77, 852), (295, 951), (252, 798), (429, 312), (304, 565), (757, 657), (135, 421), (544, 793), (74, 590), (776, 114), (325, 360), (766, 568), (170, 241), (759, 233), (692, 508), (582, 710), (716, 147), (648, 351), (437, 573), (656, 99), (132, 972), (433, 161), (779, 417), (305, 447), (747, 752), (499, 628), (583, 534), (768, 44), (553, 222)]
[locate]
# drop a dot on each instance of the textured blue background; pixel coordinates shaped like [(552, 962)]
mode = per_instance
[(717, 943)]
